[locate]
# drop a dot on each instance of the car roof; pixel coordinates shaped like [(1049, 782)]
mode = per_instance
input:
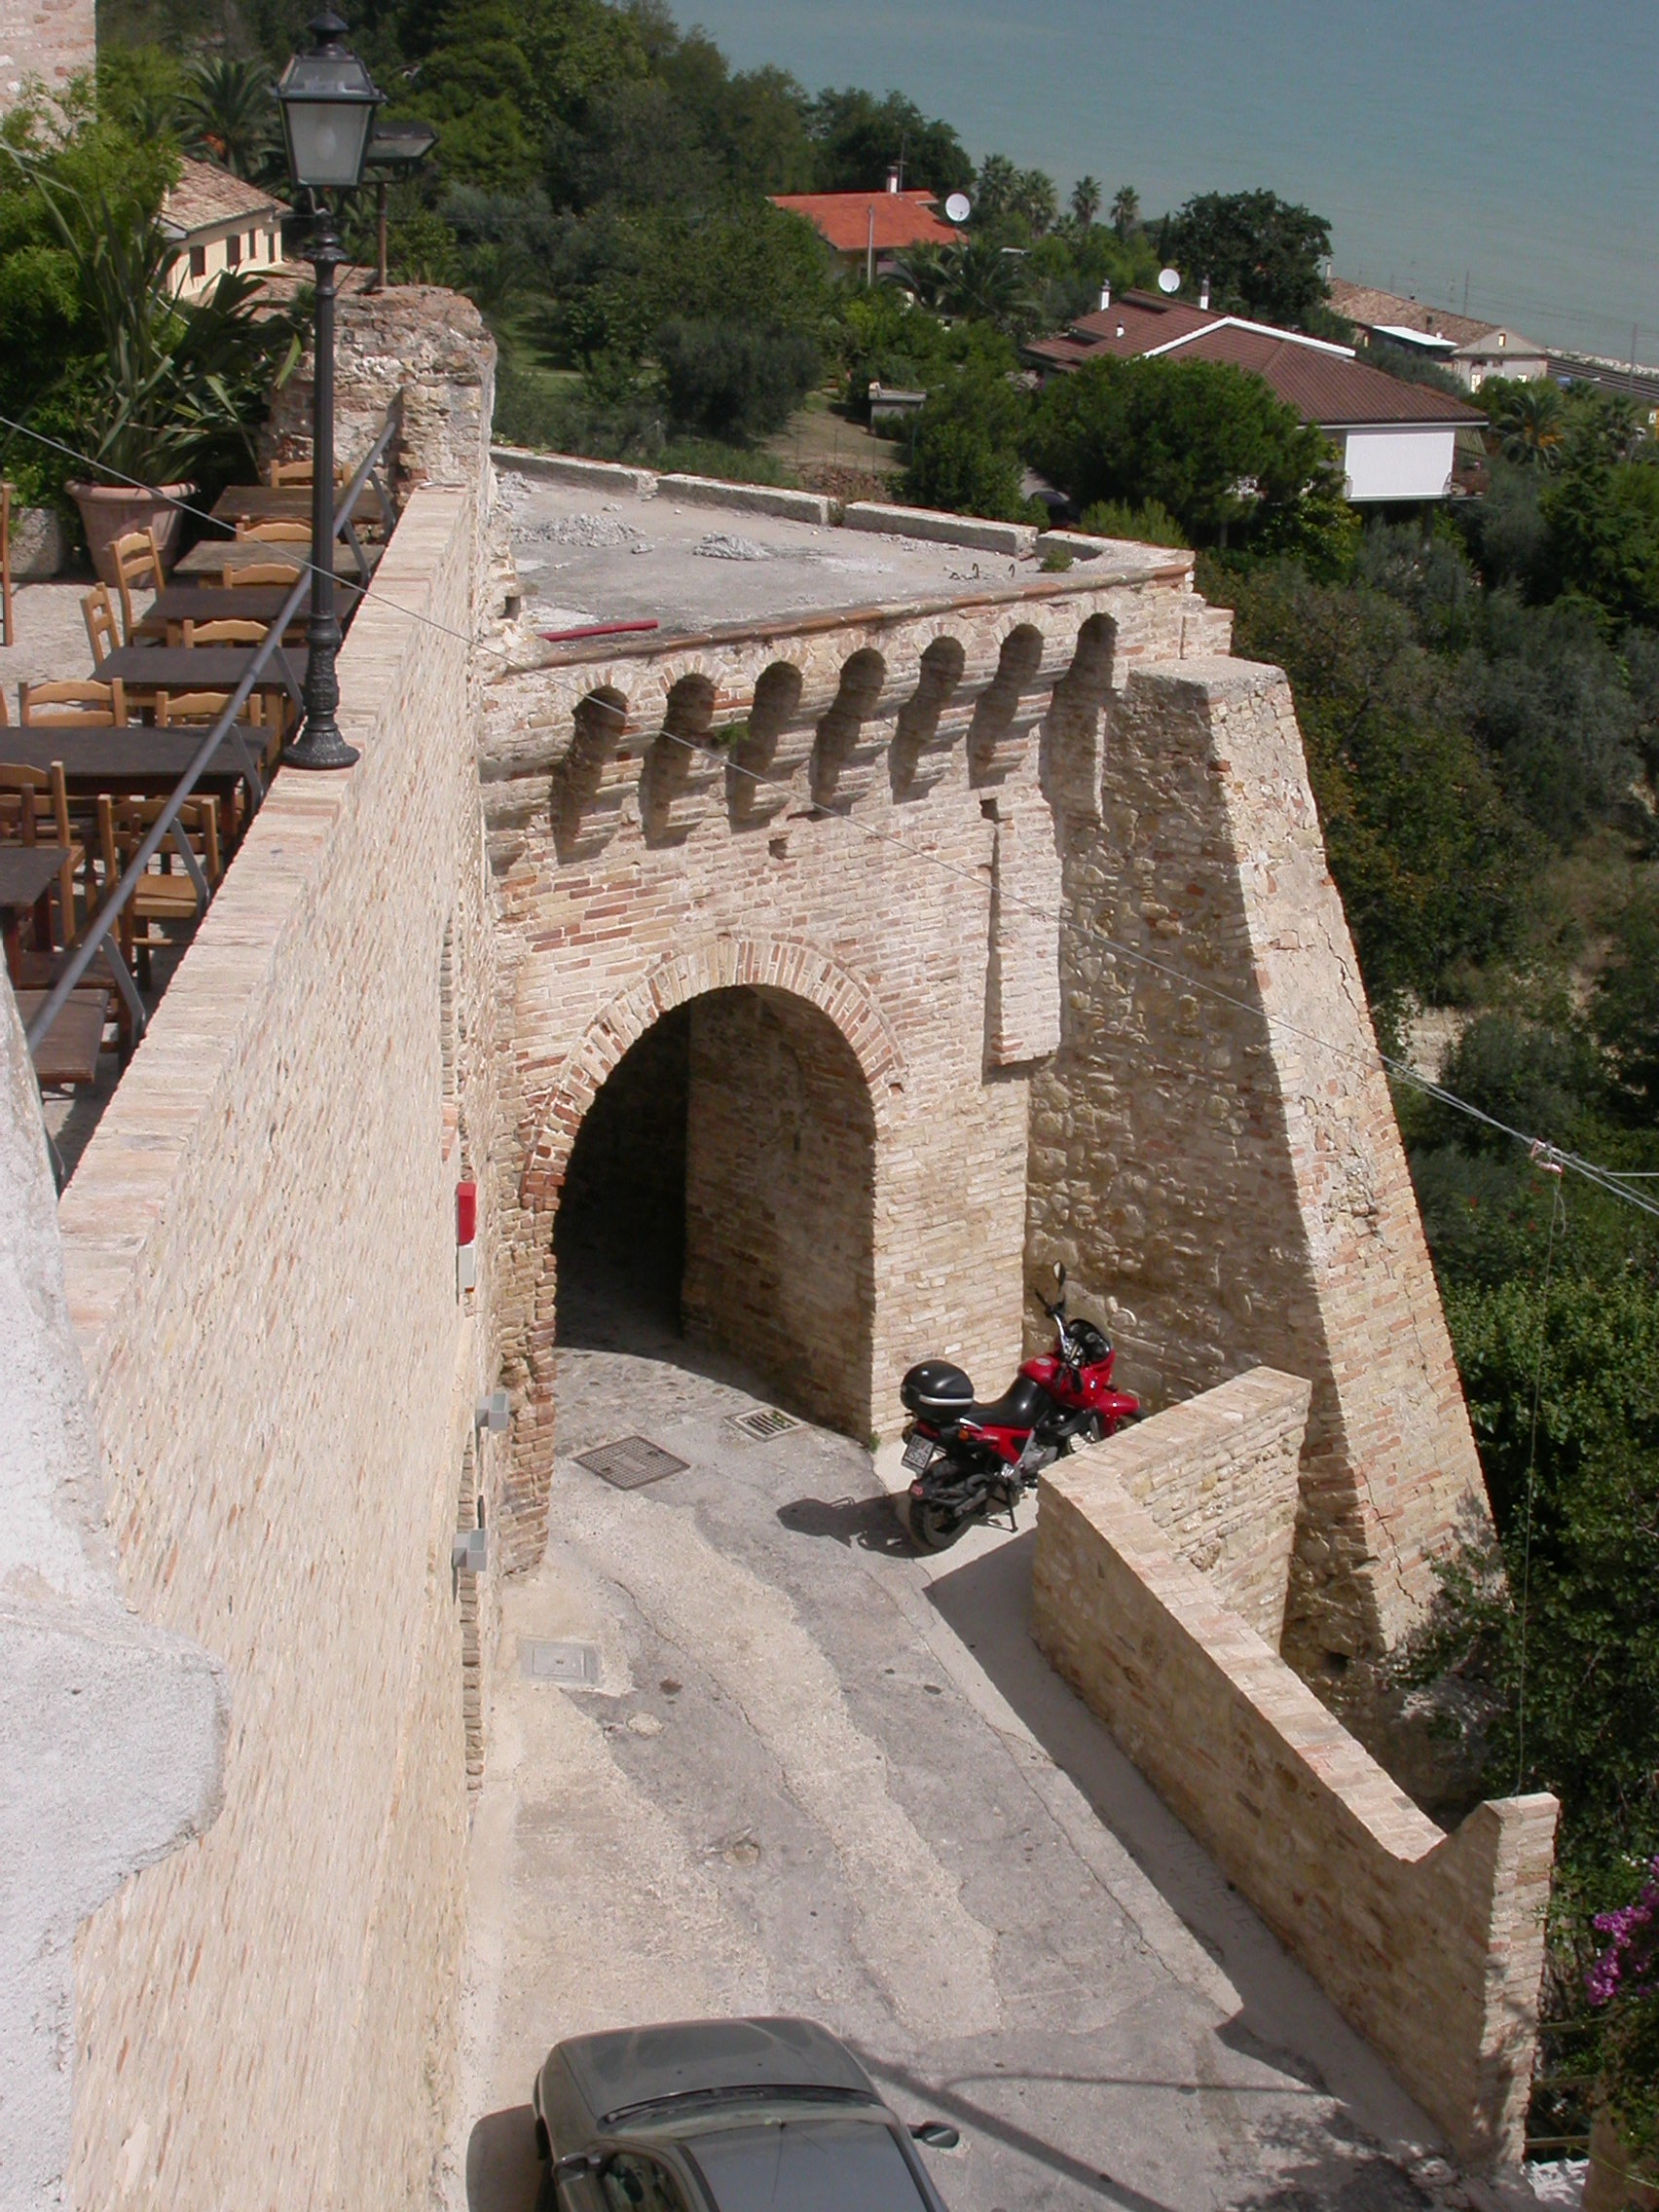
[(624, 2067)]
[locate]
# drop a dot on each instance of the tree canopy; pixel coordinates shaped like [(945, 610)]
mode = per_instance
[(1261, 254)]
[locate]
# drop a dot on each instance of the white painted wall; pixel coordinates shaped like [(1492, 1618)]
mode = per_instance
[(112, 1733), (1405, 462)]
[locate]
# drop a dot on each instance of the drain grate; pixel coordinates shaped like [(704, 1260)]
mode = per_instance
[(765, 1422), (631, 1463), (542, 1662)]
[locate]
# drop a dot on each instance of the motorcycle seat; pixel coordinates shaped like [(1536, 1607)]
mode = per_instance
[(1016, 1407)]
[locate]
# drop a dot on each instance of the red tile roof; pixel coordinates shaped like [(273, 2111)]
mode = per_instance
[(902, 219), (1325, 385), (207, 193)]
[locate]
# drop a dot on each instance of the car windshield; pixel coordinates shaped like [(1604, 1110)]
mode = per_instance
[(808, 2165)]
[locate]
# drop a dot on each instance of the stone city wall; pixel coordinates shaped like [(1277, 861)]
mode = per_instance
[(1214, 1149), (861, 821), (44, 41), (1219, 1477), (261, 1269), (1432, 1945)]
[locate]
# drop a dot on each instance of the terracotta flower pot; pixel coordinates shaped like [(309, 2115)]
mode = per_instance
[(109, 510)]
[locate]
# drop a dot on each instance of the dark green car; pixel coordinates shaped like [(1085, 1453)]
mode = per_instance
[(724, 2115)]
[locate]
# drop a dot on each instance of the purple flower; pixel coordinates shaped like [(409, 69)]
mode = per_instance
[(1630, 1953)]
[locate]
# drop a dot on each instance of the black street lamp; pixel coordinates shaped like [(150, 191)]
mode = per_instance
[(328, 101)]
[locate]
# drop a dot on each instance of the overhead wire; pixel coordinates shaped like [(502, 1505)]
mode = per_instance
[(1540, 1149)]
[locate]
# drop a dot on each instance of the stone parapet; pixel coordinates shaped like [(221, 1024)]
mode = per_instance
[(1013, 538), (1219, 1477), (1432, 1945), (261, 1269)]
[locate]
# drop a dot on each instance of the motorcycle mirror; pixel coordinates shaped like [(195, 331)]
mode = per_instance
[(1059, 1275)]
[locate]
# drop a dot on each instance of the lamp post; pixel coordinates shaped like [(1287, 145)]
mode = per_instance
[(395, 150), (328, 102)]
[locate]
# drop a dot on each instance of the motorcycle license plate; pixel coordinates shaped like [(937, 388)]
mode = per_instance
[(918, 1454)]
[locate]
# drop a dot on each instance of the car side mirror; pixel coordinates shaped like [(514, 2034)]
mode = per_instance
[(937, 2134)]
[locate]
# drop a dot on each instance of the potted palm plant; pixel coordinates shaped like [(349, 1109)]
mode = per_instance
[(178, 386)]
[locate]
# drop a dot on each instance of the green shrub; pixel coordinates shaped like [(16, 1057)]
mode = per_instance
[(1150, 524), (728, 380)]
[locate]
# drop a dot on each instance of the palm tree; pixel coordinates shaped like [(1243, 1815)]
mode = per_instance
[(994, 187), (1036, 200), (228, 113), (978, 281), (1086, 202), (1125, 209), (1528, 422)]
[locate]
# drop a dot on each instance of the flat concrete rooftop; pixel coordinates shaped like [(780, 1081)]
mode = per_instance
[(586, 554)]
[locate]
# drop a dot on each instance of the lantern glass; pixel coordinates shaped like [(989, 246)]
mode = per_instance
[(328, 101)]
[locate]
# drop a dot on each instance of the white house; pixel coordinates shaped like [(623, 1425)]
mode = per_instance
[(220, 222)]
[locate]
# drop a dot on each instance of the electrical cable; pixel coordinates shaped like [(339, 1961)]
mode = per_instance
[(1558, 1215), (1539, 1148)]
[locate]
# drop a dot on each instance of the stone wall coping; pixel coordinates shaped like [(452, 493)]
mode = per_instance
[(936, 526), (887, 615), (746, 499)]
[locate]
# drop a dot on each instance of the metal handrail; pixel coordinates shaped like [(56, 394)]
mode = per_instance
[(165, 823)]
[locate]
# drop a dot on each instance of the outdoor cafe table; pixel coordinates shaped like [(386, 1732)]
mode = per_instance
[(213, 603), (135, 763), (204, 668), (214, 555), (28, 873), (263, 502)]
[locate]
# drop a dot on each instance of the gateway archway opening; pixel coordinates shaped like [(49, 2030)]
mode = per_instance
[(721, 1186)]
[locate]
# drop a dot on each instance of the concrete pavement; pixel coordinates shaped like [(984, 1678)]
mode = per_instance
[(818, 1774)]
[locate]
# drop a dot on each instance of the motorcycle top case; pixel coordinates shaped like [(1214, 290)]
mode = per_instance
[(936, 1391)]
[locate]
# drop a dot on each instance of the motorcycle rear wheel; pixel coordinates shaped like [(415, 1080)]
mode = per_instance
[(934, 1528)]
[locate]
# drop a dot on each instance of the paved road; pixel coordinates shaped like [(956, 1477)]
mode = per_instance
[(817, 1774)]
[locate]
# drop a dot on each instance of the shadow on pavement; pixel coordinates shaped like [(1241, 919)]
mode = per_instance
[(866, 1523), (1283, 2017), (503, 2173)]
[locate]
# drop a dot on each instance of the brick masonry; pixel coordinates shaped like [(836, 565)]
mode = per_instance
[(1048, 858), (260, 1259), (46, 42), (1219, 1477), (1432, 1945), (1227, 1167)]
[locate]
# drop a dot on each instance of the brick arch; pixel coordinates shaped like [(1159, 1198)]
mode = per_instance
[(711, 964), (714, 964)]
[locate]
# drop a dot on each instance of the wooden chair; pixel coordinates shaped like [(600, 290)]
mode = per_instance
[(258, 572), (281, 473), (7, 635), (199, 710), (137, 562), (164, 892), (224, 630), (274, 531), (73, 705), (97, 611), (34, 810)]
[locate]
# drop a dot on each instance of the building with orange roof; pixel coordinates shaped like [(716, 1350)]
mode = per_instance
[(869, 228)]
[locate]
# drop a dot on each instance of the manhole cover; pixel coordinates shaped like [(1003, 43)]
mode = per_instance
[(765, 1422), (544, 1662), (632, 1463)]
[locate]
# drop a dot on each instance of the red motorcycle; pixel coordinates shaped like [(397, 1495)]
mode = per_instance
[(966, 1461)]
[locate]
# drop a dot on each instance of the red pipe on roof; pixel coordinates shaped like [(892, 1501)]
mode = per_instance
[(594, 630)]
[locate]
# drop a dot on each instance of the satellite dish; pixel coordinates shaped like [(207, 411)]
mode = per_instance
[(957, 207), (1170, 280)]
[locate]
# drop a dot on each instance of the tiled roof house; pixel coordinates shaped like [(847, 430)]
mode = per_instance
[(221, 222), (1397, 441)]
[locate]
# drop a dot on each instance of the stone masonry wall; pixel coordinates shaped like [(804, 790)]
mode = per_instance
[(1226, 1168), (780, 1201), (260, 1254), (1430, 1945), (50, 41), (1219, 1477), (842, 843)]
